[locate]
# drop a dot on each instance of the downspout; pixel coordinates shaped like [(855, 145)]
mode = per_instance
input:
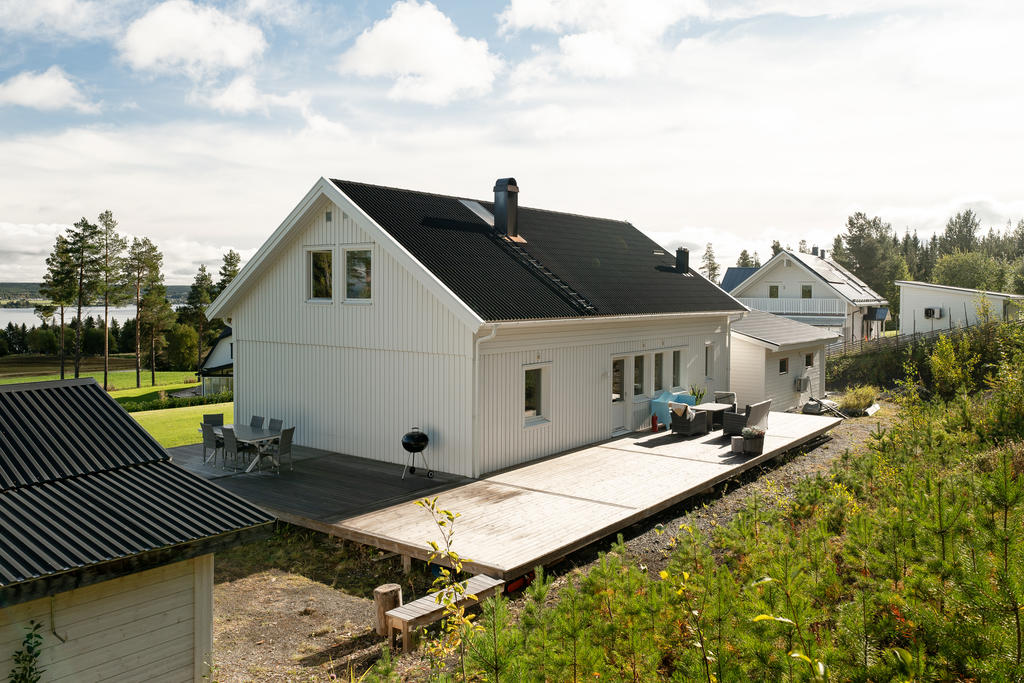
[(474, 438)]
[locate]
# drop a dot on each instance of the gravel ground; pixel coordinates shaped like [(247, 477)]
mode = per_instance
[(276, 626)]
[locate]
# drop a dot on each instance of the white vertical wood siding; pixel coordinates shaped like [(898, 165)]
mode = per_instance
[(746, 376), (353, 378), (780, 389), (958, 308), (579, 358), (140, 627)]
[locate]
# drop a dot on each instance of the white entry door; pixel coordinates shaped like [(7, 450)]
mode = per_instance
[(618, 395)]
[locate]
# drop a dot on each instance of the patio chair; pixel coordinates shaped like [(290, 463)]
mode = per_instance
[(210, 442), (756, 415), (726, 397), (686, 421), (276, 424), (256, 422), (279, 449), (236, 450), (215, 419)]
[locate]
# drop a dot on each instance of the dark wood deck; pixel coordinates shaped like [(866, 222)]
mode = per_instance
[(323, 489)]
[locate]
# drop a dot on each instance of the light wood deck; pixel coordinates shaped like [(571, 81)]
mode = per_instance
[(534, 514)]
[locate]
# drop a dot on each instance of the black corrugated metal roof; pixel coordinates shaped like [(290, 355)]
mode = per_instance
[(611, 264), (84, 484)]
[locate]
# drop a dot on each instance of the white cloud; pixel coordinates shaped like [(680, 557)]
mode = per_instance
[(82, 19), (49, 90), (420, 47), (241, 96), (290, 13), (179, 36)]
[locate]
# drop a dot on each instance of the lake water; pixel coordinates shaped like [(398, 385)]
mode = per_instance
[(29, 318)]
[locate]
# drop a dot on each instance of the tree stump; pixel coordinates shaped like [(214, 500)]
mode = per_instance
[(386, 597)]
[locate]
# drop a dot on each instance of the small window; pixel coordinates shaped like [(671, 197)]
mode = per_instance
[(677, 364), (328, 217), (805, 291), (783, 366), (357, 273), (618, 380), (231, 350), (659, 368), (773, 291), (532, 397), (709, 356), (320, 278), (638, 375), (809, 360)]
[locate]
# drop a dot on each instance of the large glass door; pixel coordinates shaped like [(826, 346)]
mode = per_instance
[(618, 394)]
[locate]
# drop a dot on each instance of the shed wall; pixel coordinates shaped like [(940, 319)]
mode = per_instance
[(578, 359), (779, 387), (746, 376), (145, 626), (958, 308)]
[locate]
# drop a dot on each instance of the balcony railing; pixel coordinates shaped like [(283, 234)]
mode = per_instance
[(794, 306)]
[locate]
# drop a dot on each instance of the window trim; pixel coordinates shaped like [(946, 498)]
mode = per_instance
[(809, 356), (309, 250), (784, 362), (345, 249), (545, 394)]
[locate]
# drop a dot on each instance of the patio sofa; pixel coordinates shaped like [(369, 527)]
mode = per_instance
[(755, 415), (688, 422), (659, 405)]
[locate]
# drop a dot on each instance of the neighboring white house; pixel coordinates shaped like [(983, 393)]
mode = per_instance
[(505, 333), (925, 307), (812, 289), (106, 543), (777, 358), (218, 368)]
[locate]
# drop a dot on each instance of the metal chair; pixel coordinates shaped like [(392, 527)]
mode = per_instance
[(276, 424), (279, 449), (234, 449), (256, 422), (210, 442), (215, 419)]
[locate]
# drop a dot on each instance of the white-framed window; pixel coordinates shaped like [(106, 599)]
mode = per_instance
[(536, 391), (783, 366), (709, 360), (809, 360), (320, 274), (659, 371), (231, 350), (639, 381), (806, 291), (677, 368), (773, 291), (358, 273)]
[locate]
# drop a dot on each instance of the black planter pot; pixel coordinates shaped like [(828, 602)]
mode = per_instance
[(754, 446)]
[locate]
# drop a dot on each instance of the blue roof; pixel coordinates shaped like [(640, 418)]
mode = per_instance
[(735, 276)]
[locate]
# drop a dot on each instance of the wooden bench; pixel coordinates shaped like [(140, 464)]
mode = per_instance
[(427, 609)]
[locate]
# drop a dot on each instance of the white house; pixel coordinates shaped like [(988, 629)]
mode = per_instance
[(925, 307), (812, 289), (505, 333), (217, 370), (777, 358), (106, 543)]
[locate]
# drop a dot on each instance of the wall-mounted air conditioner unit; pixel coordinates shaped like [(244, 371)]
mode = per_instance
[(802, 384), (933, 313)]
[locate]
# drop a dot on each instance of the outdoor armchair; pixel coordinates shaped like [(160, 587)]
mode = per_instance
[(728, 397), (686, 421), (755, 415), (210, 443)]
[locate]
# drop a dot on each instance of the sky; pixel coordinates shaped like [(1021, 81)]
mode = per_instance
[(202, 124)]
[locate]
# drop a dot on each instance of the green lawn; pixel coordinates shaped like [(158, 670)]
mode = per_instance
[(180, 426), (120, 379), (147, 393)]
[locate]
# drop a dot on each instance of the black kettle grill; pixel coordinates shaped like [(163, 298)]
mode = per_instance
[(415, 442)]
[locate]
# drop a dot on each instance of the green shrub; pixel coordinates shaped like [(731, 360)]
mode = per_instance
[(855, 401), (176, 402), (952, 365)]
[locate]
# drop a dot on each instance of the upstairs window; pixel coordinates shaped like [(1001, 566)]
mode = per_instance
[(773, 291), (805, 291), (358, 264), (321, 276)]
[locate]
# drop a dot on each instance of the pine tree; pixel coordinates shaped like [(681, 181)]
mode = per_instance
[(113, 289), (757, 260), (960, 233), (802, 247), (59, 286), (709, 266), (776, 247), (228, 271), (84, 246), (142, 271), (156, 317), (745, 260), (199, 298)]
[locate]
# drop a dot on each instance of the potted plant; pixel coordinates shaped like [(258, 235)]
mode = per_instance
[(753, 440)]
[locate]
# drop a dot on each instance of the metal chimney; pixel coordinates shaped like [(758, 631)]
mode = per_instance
[(682, 260), (814, 250), (506, 206)]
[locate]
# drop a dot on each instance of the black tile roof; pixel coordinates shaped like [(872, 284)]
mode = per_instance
[(81, 483), (608, 264)]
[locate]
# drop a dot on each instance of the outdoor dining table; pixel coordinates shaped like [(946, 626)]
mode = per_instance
[(250, 435), (714, 411)]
